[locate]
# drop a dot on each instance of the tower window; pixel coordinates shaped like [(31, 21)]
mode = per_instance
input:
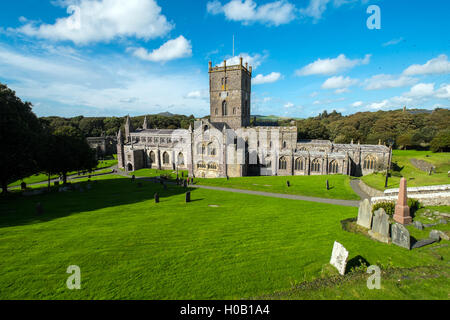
[(234, 110), (224, 108)]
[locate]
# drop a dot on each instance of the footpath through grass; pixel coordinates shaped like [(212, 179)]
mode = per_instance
[(220, 246), (402, 167), (312, 186)]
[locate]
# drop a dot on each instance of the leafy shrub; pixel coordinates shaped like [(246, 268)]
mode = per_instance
[(388, 206), (414, 205)]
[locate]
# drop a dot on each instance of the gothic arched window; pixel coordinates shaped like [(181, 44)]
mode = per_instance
[(166, 159), (224, 108), (369, 163), (298, 164), (333, 167), (283, 163), (152, 157), (315, 165)]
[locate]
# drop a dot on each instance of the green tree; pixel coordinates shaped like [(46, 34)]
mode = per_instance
[(19, 138), (441, 143)]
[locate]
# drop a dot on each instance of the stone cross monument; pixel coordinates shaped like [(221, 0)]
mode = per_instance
[(402, 214)]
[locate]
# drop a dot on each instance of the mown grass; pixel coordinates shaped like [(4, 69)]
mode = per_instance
[(128, 247), (313, 186), (415, 177), (172, 174)]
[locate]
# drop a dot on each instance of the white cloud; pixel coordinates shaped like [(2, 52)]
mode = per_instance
[(253, 60), (331, 66), (316, 8), (443, 92), (289, 105), (270, 78), (198, 94), (392, 42), (385, 81), (99, 86), (439, 65), (357, 104), (247, 11), (421, 90), (103, 20), (172, 49), (380, 105), (340, 83)]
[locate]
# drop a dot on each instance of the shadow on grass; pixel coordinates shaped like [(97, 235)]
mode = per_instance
[(356, 263), (16, 209)]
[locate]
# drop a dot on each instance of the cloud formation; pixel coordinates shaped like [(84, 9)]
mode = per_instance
[(247, 11), (331, 66), (385, 81), (341, 84), (270, 78), (172, 49), (103, 20), (439, 65)]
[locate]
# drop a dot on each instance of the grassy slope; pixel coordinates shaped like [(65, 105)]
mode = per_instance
[(415, 176), (43, 177), (128, 247), (313, 186)]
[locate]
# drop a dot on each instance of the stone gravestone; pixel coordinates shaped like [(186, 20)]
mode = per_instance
[(365, 214), (188, 197), (339, 257), (418, 225), (288, 184), (328, 185), (156, 198), (435, 235), (185, 184), (23, 186), (39, 209), (400, 236), (380, 226), (402, 214)]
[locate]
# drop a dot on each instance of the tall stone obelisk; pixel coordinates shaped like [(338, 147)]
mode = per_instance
[(402, 214)]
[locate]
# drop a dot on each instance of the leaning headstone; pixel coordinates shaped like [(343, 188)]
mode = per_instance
[(422, 243), (418, 225), (188, 197), (435, 235), (400, 236), (380, 226), (339, 257), (156, 198), (39, 209), (365, 214), (288, 184), (23, 186), (402, 213), (328, 185), (443, 221)]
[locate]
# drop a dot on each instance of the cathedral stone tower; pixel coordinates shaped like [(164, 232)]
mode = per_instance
[(230, 92)]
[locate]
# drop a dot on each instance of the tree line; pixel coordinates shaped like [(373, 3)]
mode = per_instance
[(110, 126), (30, 145), (403, 129)]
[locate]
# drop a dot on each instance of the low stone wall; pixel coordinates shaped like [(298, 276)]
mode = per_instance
[(430, 199), (420, 190), (369, 190)]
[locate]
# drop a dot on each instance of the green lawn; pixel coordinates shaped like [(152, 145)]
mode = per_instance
[(156, 173), (415, 177), (40, 177), (313, 186), (128, 247)]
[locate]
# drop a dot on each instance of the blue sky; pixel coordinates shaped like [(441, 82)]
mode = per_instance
[(117, 57)]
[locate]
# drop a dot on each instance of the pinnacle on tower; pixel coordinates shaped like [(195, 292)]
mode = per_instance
[(145, 125)]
